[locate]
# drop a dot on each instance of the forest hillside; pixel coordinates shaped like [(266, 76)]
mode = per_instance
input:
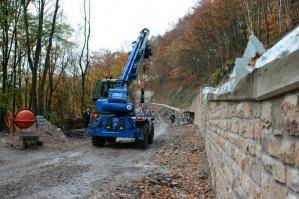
[(202, 47)]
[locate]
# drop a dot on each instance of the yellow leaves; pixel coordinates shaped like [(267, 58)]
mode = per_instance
[(107, 63), (179, 45), (174, 73)]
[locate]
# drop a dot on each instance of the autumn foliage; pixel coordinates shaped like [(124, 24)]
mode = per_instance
[(43, 69), (209, 39)]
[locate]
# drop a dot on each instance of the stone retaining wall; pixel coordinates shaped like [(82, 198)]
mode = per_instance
[(252, 144), (252, 147)]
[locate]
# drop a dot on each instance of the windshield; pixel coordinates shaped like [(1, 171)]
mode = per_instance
[(101, 89)]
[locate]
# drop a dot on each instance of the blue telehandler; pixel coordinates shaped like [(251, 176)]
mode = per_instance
[(117, 116)]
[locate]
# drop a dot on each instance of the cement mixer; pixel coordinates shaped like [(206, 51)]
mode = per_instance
[(18, 123)]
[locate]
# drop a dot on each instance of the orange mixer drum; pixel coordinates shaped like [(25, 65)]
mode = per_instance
[(24, 119)]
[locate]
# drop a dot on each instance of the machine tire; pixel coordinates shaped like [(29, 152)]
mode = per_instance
[(98, 141), (145, 132), (111, 140), (151, 133)]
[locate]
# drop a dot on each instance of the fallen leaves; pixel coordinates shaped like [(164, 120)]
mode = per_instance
[(182, 170)]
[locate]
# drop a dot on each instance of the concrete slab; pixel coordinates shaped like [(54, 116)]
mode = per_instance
[(278, 77), (275, 78)]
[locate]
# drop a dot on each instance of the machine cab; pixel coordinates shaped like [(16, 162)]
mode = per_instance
[(102, 87)]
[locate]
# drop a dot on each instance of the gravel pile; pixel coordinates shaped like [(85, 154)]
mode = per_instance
[(51, 135)]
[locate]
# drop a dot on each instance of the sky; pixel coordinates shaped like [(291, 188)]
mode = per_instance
[(117, 23)]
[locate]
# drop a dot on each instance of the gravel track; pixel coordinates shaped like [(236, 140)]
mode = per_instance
[(77, 171)]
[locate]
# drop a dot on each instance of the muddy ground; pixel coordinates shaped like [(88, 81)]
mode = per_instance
[(175, 166)]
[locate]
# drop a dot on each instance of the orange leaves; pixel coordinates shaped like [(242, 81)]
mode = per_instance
[(216, 32)]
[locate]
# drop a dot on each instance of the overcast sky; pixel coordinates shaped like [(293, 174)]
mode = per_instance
[(116, 23)]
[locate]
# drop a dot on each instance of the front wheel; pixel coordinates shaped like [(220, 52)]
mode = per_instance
[(111, 140), (145, 132), (98, 141), (151, 133)]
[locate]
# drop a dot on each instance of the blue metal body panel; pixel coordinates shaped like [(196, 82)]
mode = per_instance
[(102, 105), (118, 95), (129, 130)]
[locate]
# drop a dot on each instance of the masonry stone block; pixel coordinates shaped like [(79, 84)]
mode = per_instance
[(245, 164), (235, 126), (297, 156), (268, 163), (242, 144), (258, 151), (264, 142), (292, 195), (278, 190), (256, 171), (288, 148), (290, 117), (290, 102), (265, 183), (293, 178), (238, 192), (229, 125), (244, 110), (246, 185), (272, 189), (247, 110), (279, 172), (226, 113), (290, 124), (266, 112), (278, 132), (256, 110), (274, 147), (252, 148), (257, 129), (250, 129), (255, 192), (242, 129)]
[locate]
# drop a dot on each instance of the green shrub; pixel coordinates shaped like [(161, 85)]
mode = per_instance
[(216, 76)]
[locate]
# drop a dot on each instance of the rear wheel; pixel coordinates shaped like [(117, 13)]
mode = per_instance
[(151, 133), (145, 132), (98, 141), (111, 140)]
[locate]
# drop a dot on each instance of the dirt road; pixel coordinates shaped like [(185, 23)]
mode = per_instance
[(78, 171)]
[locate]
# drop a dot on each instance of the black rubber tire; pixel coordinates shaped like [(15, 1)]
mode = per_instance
[(145, 132), (98, 141), (111, 140), (151, 133)]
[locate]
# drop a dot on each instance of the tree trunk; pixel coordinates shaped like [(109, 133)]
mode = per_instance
[(30, 62), (86, 44), (34, 65), (15, 64), (47, 62), (33, 96), (4, 62)]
